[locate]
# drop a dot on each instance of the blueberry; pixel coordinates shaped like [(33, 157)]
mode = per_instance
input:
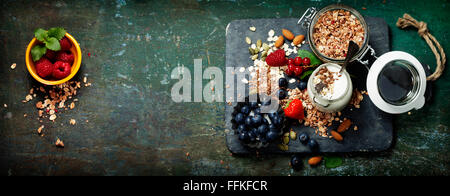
[(303, 137), (296, 162), (252, 136), (248, 121), (271, 115), (257, 119), (277, 120), (282, 82), (262, 129), (272, 126), (245, 110), (313, 145), (271, 135), (301, 85), (244, 137), (253, 104), (241, 128), (276, 130), (265, 121), (239, 118), (281, 94), (257, 111)]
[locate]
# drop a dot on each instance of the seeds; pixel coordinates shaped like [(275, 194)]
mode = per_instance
[(254, 57), (286, 140), (283, 147), (279, 42), (13, 66), (271, 33), (252, 28), (298, 39), (258, 43), (337, 136), (314, 160), (248, 40), (288, 34), (293, 135), (344, 125)]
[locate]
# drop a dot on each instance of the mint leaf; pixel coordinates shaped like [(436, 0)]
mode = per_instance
[(332, 162), (306, 74), (52, 44), (305, 53), (40, 34), (37, 52), (57, 32)]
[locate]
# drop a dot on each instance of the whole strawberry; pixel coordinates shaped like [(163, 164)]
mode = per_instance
[(65, 44), (65, 56), (294, 110), (277, 58), (61, 70), (44, 67)]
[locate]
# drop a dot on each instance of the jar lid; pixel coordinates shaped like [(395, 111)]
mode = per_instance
[(396, 83)]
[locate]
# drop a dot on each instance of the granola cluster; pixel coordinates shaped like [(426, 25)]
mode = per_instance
[(333, 31), (315, 118)]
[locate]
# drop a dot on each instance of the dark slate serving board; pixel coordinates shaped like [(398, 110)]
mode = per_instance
[(374, 126)]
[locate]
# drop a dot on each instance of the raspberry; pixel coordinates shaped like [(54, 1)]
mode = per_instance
[(65, 57), (277, 58), (50, 54), (65, 44), (61, 70), (44, 67)]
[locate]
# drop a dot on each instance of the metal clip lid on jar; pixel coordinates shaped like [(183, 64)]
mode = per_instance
[(396, 81)]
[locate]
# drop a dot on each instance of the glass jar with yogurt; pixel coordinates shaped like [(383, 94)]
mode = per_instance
[(329, 90)]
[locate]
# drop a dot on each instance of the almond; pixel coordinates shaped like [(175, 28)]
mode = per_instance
[(344, 125), (288, 34), (279, 42), (337, 136), (314, 160), (298, 39)]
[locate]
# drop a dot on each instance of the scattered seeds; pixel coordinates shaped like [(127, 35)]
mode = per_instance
[(13, 66), (252, 28), (293, 135), (248, 40)]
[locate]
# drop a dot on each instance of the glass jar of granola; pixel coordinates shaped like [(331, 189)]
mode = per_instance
[(331, 28)]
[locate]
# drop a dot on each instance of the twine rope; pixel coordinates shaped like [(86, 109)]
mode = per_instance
[(407, 21)]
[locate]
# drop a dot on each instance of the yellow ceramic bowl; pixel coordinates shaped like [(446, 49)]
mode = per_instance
[(76, 51)]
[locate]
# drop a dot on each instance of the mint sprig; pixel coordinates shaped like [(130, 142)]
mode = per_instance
[(333, 162), (50, 39)]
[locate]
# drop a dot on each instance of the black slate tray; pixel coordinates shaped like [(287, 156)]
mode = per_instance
[(374, 126)]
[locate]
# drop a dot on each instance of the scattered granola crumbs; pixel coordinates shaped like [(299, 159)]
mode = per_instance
[(72, 105), (221, 162), (40, 129), (85, 79), (187, 154), (87, 121), (355, 128), (59, 143), (28, 98), (13, 66), (73, 121), (52, 117), (25, 115), (5, 105)]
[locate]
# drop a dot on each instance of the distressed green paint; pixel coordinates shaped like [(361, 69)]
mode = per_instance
[(135, 128)]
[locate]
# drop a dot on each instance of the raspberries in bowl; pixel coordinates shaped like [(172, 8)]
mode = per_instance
[(53, 57)]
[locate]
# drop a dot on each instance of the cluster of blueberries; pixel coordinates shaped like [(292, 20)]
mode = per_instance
[(283, 84), (253, 127)]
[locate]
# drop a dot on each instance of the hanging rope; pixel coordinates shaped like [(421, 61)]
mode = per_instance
[(407, 21)]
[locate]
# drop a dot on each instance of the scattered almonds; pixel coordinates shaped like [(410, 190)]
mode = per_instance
[(288, 34), (337, 136), (344, 125), (279, 42), (314, 160)]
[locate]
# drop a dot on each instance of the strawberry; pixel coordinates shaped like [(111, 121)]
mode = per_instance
[(294, 110), (277, 58), (61, 70)]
